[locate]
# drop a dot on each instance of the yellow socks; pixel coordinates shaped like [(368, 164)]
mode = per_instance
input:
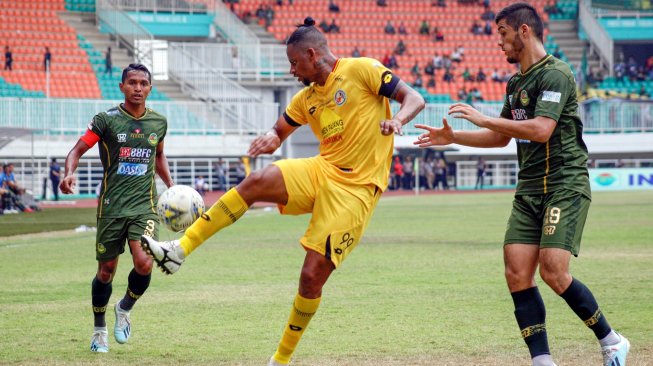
[(229, 208), (301, 313)]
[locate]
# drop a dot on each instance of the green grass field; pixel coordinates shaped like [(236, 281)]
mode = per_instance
[(425, 287)]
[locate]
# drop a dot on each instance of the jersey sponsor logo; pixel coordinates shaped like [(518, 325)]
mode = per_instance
[(340, 97), (135, 152), (519, 114), (153, 139), (122, 137), (137, 134), (312, 110), (132, 169), (332, 128), (387, 78), (523, 98), (550, 96), (332, 139), (101, 248)]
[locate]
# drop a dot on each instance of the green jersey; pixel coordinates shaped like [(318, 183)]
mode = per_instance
[(128, 151), (548, 89)]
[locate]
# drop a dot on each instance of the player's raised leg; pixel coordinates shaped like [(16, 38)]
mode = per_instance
[(265, 185)]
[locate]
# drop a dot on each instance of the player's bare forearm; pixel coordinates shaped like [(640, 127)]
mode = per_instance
[(163, 170), (411, 104), (480, 138), (537, 129), (72, 159)]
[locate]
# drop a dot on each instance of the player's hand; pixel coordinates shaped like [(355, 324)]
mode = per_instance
[(390, 126), (68, 184), (435, 136), (466, 111), (266, 144)]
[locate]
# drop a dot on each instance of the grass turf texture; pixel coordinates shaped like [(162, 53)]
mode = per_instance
[(425, 287)]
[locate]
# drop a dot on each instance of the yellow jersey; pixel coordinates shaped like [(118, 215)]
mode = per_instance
[(345, 115)]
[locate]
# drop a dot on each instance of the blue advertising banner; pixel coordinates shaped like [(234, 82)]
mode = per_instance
[(621, 179)]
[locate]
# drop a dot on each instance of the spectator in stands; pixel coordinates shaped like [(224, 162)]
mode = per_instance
[(14, 190), (9, 58), (437, 61), (400, 49), (642, 91), (398, 167), (496, 76), (486, 4), (424, 27), (47, 59), (260, 12), (382, 3), (402, 29), (440, 3), (462, 94), (200, 184), (333, 7), (409, 173), (108, 65), (480, 76), (415, 69), (55, 177), (393, 62), (429, 69), (488, 14), (419, 82), (619, 70), (439, 36), (333, 27), (476, 95), (269, 16), (476, 28), (456, 56), (389, 28), (480, 173), (488, 28), (324, 26), (220, 170), (386, 60), (467, 75), (441, 174), (279, 2), (446, 62), (355, 52), (431, 82), (448, 76)]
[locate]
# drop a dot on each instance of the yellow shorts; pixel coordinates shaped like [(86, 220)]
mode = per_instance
[(341, 211)]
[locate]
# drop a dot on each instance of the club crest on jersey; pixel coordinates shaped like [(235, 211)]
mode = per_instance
[(153, 139), (122, 137), (340, 97), (523, 98)]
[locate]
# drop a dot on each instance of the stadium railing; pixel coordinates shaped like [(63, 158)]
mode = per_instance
[(199, 79), (597, 35), (70, 116), (168, 6), (136, 38), (241, 62), (32, 172)]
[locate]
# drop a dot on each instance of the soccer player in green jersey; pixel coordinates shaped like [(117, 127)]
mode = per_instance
[(131, 149), (553, 191)]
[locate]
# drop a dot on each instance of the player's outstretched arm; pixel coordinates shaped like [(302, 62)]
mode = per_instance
[(411, 102), (72, 160), (446, 135), (161, 164), (270, 142), (537, 129)]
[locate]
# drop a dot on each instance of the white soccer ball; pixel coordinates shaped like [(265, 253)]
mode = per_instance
[(179, 207)]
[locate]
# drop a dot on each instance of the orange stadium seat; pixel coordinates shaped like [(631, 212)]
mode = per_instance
[(28, 26), (361, 23)]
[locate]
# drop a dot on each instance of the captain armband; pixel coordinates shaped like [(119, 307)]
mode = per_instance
[(90, 138)]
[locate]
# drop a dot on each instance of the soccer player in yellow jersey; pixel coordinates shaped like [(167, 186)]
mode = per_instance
[(346, 104)]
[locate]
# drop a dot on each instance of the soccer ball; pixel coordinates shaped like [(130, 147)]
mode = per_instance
[(179, 207)]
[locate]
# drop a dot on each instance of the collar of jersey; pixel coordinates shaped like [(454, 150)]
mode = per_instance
[(124, 111), (536, 65), (335, 66)]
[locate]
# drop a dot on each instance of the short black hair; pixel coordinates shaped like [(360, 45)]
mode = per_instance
[(136, 67), (307, 34), (521, 13)]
